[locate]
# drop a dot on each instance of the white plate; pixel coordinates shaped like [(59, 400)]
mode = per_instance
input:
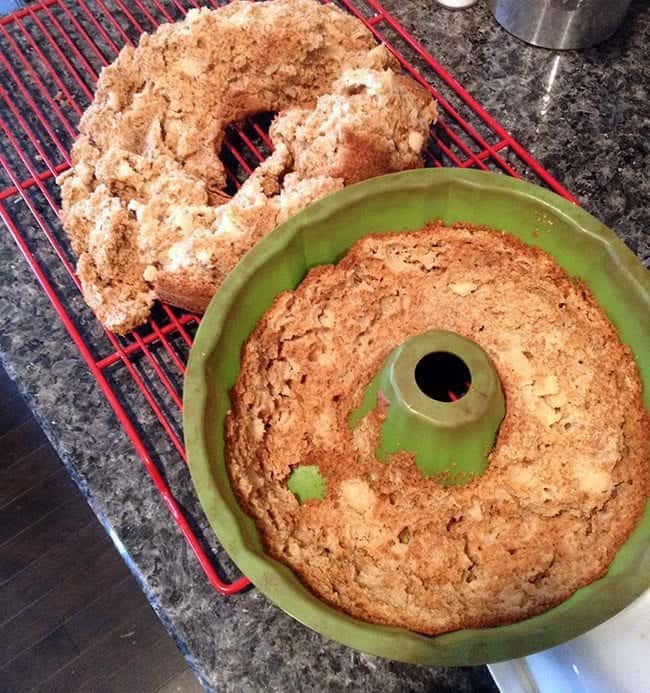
[(612, 658)]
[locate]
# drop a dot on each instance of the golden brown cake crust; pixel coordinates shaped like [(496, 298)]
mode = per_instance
[(568, 477), (147, 178)]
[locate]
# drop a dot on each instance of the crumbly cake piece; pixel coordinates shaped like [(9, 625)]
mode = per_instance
[(144, 205), (567, 479)]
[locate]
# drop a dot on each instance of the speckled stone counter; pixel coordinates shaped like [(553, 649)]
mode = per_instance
[(583, 115)]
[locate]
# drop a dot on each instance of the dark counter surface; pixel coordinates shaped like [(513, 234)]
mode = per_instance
[(584, 116)]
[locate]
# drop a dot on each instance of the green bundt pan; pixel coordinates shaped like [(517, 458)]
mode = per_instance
[(322, 234)]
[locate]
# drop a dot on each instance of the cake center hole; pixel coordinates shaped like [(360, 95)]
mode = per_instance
[(443, 376)]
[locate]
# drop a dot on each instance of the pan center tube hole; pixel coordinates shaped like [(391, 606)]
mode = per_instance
[(443, 376)]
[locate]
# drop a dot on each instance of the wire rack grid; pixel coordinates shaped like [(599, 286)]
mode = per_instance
[(51, 53)]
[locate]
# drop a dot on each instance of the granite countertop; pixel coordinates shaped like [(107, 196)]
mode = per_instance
[(583, 115)]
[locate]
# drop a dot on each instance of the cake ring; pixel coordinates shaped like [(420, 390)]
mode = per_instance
[(356, 502), (144, 205)]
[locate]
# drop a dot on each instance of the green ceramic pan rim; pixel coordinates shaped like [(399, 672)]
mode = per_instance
[(578, 241)]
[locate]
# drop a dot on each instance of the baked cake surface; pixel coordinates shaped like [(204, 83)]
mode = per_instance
[(568, 476), (144, 203)]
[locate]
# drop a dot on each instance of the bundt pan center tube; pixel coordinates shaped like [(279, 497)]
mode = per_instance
[(321, 235), (444, 403)]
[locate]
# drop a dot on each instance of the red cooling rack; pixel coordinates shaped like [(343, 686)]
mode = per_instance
[(51, 53)]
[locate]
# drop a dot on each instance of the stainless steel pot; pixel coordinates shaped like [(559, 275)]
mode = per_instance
[(560, 24)]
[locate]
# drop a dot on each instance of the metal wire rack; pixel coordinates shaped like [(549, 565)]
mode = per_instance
[(51, 53)]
